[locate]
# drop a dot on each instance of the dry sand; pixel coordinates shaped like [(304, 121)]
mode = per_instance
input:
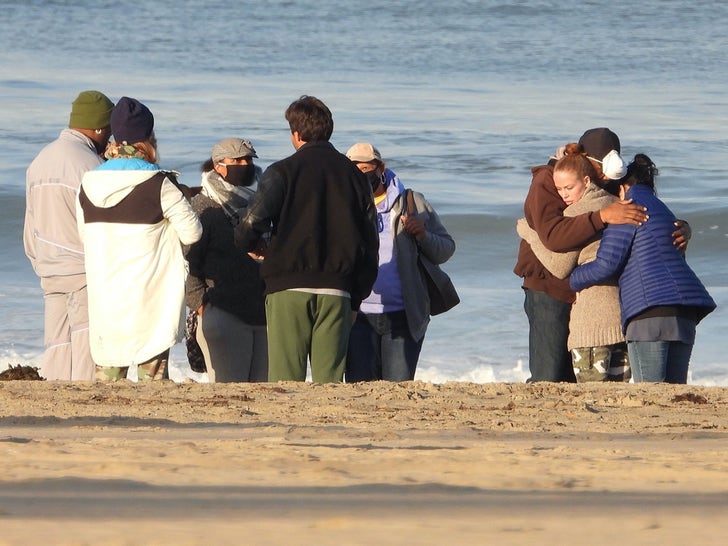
[(376, 463)]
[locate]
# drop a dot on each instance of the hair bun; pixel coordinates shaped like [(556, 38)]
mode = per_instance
[(574, 148)]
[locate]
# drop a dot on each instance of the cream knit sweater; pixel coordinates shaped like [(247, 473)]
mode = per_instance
[(595, 316)]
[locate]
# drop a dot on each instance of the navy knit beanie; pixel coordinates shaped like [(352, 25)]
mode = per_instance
[(131, 121)]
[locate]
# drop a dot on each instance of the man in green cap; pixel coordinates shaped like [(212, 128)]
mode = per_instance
[(51, 238)]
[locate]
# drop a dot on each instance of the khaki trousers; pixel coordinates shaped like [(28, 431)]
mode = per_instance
[(67, 354)]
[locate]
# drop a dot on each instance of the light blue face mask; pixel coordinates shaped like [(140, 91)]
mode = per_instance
[(613, 165)]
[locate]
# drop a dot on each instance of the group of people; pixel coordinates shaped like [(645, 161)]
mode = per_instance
[(609, 295), (313, 260)]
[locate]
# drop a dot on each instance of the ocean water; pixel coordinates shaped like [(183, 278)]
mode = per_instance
[(462, 97)]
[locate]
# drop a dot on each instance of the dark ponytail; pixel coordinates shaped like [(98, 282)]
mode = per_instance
[(641, 171)]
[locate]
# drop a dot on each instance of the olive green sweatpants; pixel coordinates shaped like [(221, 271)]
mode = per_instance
[(302, 326)]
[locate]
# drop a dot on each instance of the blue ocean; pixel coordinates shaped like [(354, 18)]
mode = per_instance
[(462, 98)]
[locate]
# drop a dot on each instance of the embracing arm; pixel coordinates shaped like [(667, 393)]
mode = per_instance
[(681, 235), (612, 256), (624, 212), (559, 264), (544, 212)]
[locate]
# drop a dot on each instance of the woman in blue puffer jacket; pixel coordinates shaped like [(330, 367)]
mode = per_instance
[(662, 299)]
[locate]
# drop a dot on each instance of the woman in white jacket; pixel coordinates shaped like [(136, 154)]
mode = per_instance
[(133, 219)]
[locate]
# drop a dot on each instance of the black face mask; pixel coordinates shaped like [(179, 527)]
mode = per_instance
[(240, 175), (374, 179)]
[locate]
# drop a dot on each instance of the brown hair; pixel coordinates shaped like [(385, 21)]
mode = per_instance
[(577, 162), (311, 118), (148, 149)]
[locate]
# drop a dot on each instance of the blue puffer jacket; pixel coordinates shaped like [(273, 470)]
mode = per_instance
[(651, 271)]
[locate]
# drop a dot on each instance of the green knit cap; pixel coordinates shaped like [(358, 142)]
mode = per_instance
[(91, 110)]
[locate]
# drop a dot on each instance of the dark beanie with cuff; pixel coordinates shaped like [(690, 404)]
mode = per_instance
[(131, 121), (90, 110)]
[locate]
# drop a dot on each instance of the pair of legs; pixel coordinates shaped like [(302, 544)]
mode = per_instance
[(153, 369), (381, 347), (303, 326), (604, 363), (67, 354), (234, 351), (548, 321), (659, 361)]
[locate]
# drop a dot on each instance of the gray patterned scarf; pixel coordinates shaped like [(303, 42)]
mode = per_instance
[(233, 199)]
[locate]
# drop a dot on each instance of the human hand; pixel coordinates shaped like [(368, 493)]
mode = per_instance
[(681, 235), (258, 253), (200, 309), (414, 226), (624, 212)]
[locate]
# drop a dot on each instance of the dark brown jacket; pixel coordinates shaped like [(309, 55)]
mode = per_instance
[(544, 211)]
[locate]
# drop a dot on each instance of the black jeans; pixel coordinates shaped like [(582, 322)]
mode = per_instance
[(548, 320)]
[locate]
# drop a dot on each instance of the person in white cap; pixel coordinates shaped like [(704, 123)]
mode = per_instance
[(224, 288), (51, 239), (387, 335)]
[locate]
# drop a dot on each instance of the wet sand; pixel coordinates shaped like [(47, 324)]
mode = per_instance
[(407, 463)]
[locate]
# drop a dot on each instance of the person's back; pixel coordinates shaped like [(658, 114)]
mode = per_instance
[(51, 239), (661, 298), (656, 273), (317, 238), (132, 220), (322, 258), (51, 236)]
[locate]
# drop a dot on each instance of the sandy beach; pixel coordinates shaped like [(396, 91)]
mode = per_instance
[(375, 463)]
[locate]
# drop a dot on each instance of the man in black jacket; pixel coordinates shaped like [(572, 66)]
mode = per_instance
[(322, 258)]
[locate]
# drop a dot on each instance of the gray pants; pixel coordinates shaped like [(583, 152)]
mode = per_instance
[(67, 354), (234, 351)]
